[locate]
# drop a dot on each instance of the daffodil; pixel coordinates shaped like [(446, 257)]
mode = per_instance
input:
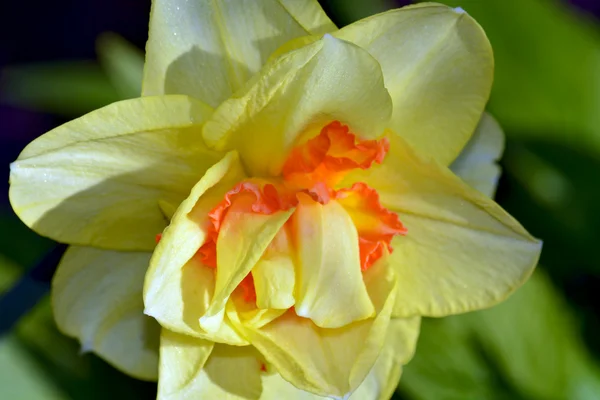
[(284, 187)]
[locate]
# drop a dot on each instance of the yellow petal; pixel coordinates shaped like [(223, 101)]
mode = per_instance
[(399, 347), (276, 388), (182, 359), (194, 368), (298, 94), (462, 251), (243, 238), (178, 288), (274, 283), (328, 362), (97, 298), (330, 289), (97, 180), (209, 49), (240, 311), (438, 67), (382, 380), (477, 163), (274, 274)]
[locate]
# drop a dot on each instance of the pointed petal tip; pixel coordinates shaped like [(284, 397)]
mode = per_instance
[(86, 347)]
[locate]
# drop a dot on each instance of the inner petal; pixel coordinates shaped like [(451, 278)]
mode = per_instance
[(375, 224), (274, 275), (327, 157), (329, 283), (245, 223)]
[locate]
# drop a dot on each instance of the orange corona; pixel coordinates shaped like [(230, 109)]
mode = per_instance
[(314, 169)]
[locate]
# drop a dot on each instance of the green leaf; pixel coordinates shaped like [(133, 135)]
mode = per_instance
[(65, 88), (527, 347), (446, 364), (536, 343), (123, 62), (21, 377), (344, 12), (9, 273)]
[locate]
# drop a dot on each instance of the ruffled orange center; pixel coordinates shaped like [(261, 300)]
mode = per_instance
[(314, 168)]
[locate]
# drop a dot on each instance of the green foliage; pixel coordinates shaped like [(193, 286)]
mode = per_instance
[(64, 88), (527, 347), (547, 80), (123, 64)]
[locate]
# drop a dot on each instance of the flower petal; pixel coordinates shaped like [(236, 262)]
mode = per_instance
[(97, 180), (477, 163), (97, 298), (178, 287), (298, 94), (194, 368), (382, 380), (243, 238), (330, 289), (462, 252), (328, 362), (399, 347), (274, 275), (438, 67), (209, 49), (182, 359)]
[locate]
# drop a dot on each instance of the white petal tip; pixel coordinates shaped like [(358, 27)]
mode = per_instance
[(86, 347), (459, 10), (212, 323)]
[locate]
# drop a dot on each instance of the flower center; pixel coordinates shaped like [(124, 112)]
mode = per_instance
[(315, 169)]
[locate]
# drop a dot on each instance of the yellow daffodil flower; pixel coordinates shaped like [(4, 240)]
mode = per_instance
[(282, 194)]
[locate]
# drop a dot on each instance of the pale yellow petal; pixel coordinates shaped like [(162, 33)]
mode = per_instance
[(97, 180), (330, 289), (398, 349), (241, 311), (243, 238), (274, 281), (209, 49), (477, 164), (438, 67), (182, 359), (192, 368), (97, 298), (462, 251), (382, 380), (328, 362), (296, 95), (178, 287), (276, 388)]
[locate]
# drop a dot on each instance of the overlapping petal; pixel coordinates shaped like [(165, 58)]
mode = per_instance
[(438, 68), (97, 180), (97, 298), (275, 274), (208, 49), (330, 289), (327, 361), (477, 164), (462, 252), (293, 97), (243, 238), (178, 287), (398, 349), (196, 368)]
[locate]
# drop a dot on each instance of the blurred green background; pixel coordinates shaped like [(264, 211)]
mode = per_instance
[(543, 343)]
